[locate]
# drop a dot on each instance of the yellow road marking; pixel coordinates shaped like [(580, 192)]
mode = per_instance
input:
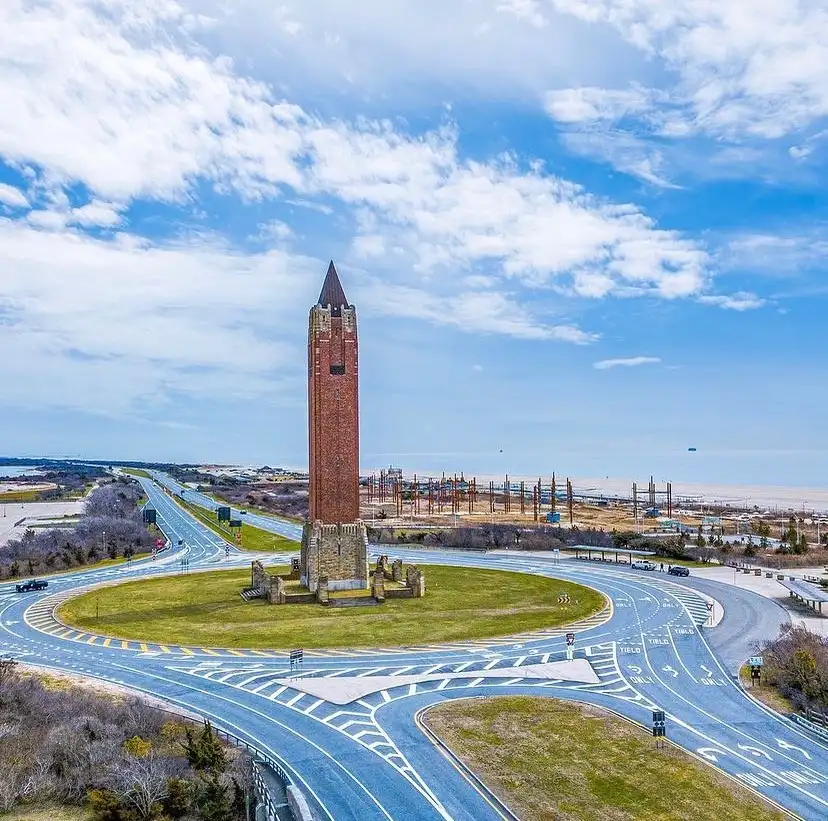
[(124, 645), (164, 648), (107, 642), (209, 652), (144, 647), (92, 639)]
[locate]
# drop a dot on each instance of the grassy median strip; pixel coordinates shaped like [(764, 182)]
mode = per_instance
[(205, 609), (549, 759), (253, 538), (138, 472)]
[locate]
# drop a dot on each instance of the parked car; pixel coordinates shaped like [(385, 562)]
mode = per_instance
[(181, 541), (32, 584), (678, 570), (643, 564)]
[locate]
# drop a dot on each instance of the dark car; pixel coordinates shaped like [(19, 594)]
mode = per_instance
[(181, 541), (678, 570), (32, 584)]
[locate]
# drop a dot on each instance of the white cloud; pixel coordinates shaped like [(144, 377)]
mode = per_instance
[(119, 325), (486, 312), (631, 362), (168, 117), (741, 301), (95, 214), (488, 236), (587, 104), (477, 368), (14, 197), (783, 255), (743, 68), (528, 10), (631, 154)]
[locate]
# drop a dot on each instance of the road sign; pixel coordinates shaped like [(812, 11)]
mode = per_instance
[(570, 639), (159, 543), (223, 514), (296, 658), (755, 661), (659, 724), (709, 606)]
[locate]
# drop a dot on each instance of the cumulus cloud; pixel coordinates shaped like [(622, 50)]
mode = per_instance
[(169, 117), (13, 197), (742, 70), (487, 236), (740, 301), (588, 104), (631, 362), (117, 325)]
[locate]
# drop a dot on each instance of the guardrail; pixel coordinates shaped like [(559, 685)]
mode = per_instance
[(298, 806), (810, 726)]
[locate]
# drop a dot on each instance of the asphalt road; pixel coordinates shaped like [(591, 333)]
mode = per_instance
[(270, 523), (367, 759)]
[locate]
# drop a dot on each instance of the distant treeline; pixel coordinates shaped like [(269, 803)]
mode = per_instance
[(499, 536)]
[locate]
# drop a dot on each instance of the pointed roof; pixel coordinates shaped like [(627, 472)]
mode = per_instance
[(332, 293)]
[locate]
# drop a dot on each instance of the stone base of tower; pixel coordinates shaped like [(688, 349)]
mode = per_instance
[(336, 552)]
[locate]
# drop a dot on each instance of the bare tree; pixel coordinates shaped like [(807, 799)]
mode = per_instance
[(140, 782)]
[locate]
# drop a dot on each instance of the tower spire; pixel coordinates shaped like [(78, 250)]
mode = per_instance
[(332, 293)]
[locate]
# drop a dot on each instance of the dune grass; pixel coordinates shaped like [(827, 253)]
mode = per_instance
[(205, 609), (549, 759)]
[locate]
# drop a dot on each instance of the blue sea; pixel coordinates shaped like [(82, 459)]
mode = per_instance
[(13, 471)]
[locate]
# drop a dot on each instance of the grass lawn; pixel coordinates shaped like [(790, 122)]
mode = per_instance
[(20, 496), (253, 538), (205, 609), (548, 759), (51, 813)]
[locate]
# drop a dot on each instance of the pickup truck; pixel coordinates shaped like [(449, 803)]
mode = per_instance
[(32, 584), (642, 564)]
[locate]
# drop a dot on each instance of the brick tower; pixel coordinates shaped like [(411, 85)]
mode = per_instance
[(334, 539)]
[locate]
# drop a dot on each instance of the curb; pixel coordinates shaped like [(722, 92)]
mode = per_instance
[(496, 803)]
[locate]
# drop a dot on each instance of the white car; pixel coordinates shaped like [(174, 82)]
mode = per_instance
[(643, 564)]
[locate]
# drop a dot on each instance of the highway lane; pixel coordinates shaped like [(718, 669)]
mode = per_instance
[(271, 524), (366, 759)]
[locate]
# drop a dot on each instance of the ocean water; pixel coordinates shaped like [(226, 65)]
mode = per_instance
[(13, 471)]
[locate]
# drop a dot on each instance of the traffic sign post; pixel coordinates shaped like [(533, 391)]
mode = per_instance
[(570, 645), (659, 728), (755, 663), (710, 612), (296, 658)]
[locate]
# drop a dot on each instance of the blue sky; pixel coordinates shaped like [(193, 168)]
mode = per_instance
[(581, 236)]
